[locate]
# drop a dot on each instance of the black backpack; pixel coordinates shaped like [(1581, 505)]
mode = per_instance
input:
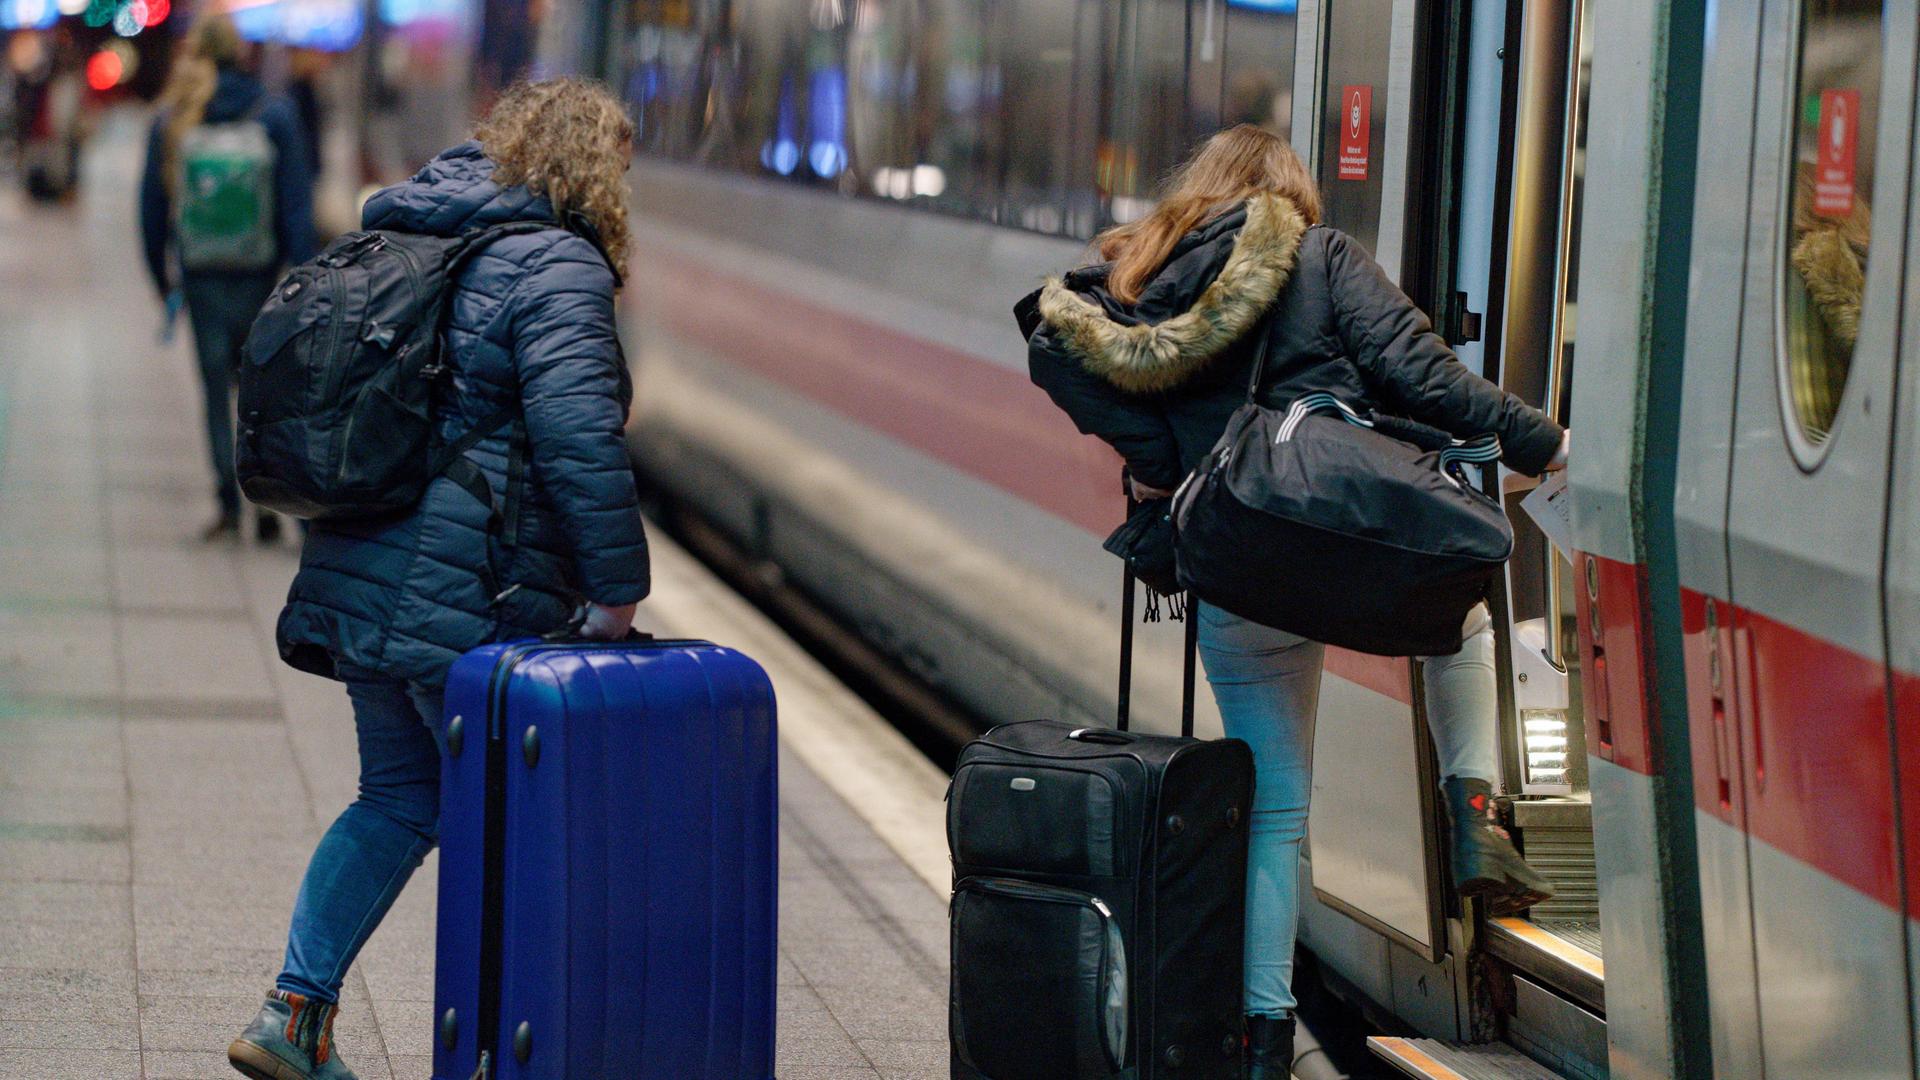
[(338, 376)]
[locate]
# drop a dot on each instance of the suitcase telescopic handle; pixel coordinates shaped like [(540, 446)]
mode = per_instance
[(1123, 712)]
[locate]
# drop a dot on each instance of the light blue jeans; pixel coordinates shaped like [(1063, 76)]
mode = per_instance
[(377, 843), (1267, 683)]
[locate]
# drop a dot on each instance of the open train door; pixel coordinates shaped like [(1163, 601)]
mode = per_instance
[(1782, 501), (1378, 914)]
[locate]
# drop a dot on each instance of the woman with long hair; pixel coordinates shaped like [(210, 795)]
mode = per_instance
[(386, 605), (1152, 350), (245, 212)]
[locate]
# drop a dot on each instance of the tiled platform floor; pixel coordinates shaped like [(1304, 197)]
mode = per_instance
[(163, 777)]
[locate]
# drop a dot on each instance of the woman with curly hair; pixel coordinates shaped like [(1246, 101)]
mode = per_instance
[(385, 606)]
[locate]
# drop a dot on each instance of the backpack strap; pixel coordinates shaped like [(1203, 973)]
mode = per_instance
[(451, 459)]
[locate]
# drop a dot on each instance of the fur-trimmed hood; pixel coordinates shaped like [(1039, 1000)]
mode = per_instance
[(1148, 357)]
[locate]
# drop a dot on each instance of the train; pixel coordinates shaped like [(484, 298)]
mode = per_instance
[(1652, 220)]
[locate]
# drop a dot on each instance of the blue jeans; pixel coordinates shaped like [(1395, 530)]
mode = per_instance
[(221, 307), (377, 843), (1267, 683)]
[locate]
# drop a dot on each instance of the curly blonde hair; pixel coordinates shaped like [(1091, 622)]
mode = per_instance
[(570, 140)]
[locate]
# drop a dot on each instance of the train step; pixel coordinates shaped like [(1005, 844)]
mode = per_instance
[(1433, 1059)]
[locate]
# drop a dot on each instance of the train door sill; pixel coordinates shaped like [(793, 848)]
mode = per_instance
[(1434, 1059), (1563, 961)]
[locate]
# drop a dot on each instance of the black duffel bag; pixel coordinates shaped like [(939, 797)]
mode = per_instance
[(1316, 522)]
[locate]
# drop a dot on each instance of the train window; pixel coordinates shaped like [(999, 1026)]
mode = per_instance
[(1353, 126), (1257, 82), (1148, 129), (1829, 213)]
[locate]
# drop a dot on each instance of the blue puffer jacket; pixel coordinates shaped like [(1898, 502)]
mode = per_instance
[(532, 319)]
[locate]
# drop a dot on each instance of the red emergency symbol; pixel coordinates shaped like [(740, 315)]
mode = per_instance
[(1839, 142), (1356, 130)]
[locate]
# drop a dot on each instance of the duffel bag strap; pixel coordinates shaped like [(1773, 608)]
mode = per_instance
[(1480, 450), (1308, 404), (1483, 450)]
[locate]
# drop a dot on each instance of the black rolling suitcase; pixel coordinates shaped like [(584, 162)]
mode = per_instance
[(1099, 902)]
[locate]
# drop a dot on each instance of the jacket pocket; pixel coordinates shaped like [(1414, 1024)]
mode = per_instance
[(1039, 982)]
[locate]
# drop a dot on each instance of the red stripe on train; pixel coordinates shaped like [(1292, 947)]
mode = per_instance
[(986, 420), (1790, 742), (1614, 660), (977, 416)]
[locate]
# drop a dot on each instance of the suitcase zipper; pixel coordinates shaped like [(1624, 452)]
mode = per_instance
[(1113, 972)]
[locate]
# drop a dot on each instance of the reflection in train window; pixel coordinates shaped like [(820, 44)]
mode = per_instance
[(1829, 212), (1058, 116)]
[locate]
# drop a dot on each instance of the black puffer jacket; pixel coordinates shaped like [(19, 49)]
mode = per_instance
[(1158, 379)]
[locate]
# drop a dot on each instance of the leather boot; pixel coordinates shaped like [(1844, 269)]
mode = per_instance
[(1485, 864), (291, 1039), (1269, 1048)]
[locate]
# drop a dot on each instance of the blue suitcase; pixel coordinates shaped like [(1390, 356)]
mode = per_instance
[(607, 865)]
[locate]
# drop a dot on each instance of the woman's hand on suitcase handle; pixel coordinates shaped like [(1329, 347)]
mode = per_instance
[(605, 623)]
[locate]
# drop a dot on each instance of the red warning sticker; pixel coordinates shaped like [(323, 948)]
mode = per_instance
[(1356, 130), (1839, 142)]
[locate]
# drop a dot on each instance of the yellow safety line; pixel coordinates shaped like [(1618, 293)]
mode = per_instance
[(1555, 944), (1412, 1055)]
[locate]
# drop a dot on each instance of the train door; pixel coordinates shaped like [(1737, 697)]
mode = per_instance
[(1783, 519), (1638, 168), (1378, 918), (1558, 943)]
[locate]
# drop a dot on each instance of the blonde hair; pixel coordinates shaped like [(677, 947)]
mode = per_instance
[(212, 44), (570, 140), (1231, 167)]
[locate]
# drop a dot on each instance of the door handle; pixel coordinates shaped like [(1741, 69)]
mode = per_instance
[(1740, 641), (1717, 683)]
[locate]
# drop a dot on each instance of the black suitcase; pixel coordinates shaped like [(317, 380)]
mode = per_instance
[(1099, 902)]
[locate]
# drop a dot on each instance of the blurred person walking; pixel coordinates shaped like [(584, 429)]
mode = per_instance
[(386, 604), (228, 191)]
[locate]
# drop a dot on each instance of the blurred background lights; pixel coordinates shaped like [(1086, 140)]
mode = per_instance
[(157, 11), (27, 14), (131, 19), (909, 181), (71, 7), (26, 53), (105, 69)]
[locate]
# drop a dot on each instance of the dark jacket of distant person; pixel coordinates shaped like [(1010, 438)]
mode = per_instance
[(1159, 378), (235, 95), (532, 317)]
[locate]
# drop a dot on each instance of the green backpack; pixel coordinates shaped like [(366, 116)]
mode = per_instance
[(223, 215)]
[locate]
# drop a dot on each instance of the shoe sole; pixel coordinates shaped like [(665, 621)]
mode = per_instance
[(258, 1063), (1504, 896)]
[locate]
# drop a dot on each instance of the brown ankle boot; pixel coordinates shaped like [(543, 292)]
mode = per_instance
[(1485, 863)]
